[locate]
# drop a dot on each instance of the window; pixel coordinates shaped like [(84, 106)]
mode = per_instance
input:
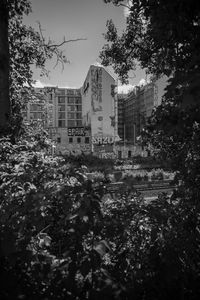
[(61, 91), (70, 100), (129, 154), (78, 140), (78, 115), (70, 108), (61, 99), (70, 92), (61, 123), (70, 140), (58, 140), (61, 115), (70, 115), (71, 123), (87, 139), (78, 100), (79, 123), (61, 107)]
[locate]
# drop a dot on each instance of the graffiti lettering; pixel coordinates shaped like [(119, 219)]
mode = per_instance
[(103, 140), (76, 131)]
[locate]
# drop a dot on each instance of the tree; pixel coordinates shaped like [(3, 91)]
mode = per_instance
[(4, 65), (164, 38), (21, 47)]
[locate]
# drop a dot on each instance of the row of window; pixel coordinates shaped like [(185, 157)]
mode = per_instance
[(73, 139), (68, 92), (70, 100), (70, 123), (61, 107), (61, 115)]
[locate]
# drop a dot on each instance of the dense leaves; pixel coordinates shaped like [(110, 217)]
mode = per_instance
[(27, 47), (164, 38), (64, 236)]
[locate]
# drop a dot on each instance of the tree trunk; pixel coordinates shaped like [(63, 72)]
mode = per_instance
[(4, 67)]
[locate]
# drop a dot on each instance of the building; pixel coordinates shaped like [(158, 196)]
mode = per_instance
[(120, 114), (93, 118), (39, 109), (137, 106), (82, 120), (100, 110)]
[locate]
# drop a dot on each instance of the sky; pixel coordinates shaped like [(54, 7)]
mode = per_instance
[(74, 19)]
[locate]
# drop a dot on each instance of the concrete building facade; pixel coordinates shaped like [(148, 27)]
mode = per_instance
[(99, 110)]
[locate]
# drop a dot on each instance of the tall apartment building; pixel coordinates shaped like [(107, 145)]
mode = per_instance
[(100, 109), (138, 107), (39, 108), (120, 114)]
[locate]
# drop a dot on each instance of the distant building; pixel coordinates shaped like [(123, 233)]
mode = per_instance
[(100, 110), (120, 114), (39, 109), (82, 120), (93, 118), (138, 107)]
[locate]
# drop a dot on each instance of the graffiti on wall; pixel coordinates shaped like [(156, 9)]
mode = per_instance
[(74, 149), (96, 89), (108, 155), (77, 131), (102, 140)]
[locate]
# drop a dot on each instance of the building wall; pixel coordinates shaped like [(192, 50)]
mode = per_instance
[(160, 85), (130, 116), (120, 112), (138, 107), (39, 109), (99, 108)]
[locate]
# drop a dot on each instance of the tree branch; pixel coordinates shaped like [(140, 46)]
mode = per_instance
[(65, 42), (54, 48)]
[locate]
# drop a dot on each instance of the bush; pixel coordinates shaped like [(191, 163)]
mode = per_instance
[(61, 238)]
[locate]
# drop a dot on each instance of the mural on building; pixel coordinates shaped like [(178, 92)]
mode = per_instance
[(96, 88)]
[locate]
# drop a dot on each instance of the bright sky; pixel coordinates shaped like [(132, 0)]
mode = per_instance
[(76, 19)]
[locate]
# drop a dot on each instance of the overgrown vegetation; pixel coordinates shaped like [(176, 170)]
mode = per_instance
[(64, 237)]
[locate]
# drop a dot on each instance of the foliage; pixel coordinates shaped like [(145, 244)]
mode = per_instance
[(63, 236), (27, 47), (93, 163), (164, 38)]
